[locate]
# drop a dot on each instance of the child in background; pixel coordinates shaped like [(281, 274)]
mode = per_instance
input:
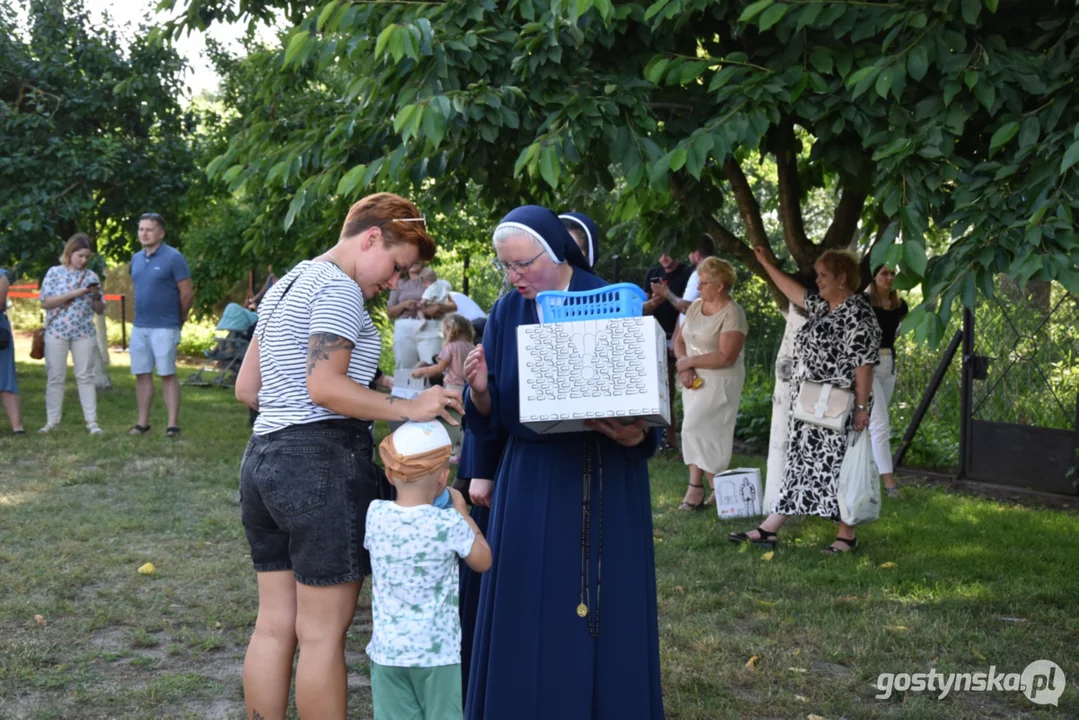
[(415, 647), (458, 334), (436, 292)]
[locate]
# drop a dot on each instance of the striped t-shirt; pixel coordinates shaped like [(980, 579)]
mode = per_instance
[(321, 300)]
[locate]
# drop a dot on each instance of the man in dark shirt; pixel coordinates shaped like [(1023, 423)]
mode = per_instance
[(674, 275)]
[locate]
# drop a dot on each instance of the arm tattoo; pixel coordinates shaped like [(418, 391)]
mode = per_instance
[(390, 400), (256, 716), (321, 345)]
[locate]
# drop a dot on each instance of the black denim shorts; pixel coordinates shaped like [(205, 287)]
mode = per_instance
[(304, 492)]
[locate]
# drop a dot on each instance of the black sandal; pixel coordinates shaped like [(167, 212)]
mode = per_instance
[(693, 506), (172, 431), (767, 539), (138, 430), (851, 545), (18, 432)]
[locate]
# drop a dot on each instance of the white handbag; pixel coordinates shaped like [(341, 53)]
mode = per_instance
[(824, 404)]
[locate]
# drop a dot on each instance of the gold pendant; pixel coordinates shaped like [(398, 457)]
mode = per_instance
[(582, 610)]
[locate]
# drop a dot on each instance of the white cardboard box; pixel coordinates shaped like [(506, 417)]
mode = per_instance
[(738, 493), (573, 371)]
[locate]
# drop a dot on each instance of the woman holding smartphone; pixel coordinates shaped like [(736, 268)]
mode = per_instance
[(70, 297)]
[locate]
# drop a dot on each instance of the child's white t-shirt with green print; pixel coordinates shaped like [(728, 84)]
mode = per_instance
[(414, 593)]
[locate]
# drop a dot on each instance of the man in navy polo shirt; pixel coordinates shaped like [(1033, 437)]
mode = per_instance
[(163, 297)]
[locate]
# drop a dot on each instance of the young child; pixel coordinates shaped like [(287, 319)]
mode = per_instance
[(458, 334), (436, 292), (415, 647)]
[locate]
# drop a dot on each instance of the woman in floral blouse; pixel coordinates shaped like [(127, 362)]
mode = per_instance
[(71, 295)]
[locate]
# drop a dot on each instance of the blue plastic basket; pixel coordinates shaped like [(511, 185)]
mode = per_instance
[(613, 301)]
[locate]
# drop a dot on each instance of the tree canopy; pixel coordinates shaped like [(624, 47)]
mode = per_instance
[(956, 115), (92, 129)]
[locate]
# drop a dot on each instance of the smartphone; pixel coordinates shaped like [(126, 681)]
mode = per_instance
[(94, 286)]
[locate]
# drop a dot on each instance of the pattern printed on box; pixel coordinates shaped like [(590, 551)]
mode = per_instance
[(586, 360)]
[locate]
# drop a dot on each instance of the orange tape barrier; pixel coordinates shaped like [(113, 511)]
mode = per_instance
[(35, 296)]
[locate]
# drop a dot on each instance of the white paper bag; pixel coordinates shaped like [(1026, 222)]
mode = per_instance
[(859, 486), (405, 386), (738, 493)]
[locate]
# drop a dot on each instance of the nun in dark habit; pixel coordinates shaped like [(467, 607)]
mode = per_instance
[(566, 625), (480, 464), (585, 232)]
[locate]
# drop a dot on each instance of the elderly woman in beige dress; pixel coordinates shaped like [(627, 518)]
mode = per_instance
[(710, 365)]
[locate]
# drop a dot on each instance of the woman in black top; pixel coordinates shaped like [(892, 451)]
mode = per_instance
[(890, 310)]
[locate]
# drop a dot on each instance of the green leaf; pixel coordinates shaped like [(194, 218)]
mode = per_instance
[(1069, 279), (550, 168), (656, 8), (917, 62), (894, 147), (992, 5), (605, 8), (860, 74), (809, 14), (1071, 156), (880, 248), (295, 206), (397, 45), (654, 70), (678, 159), (214, 166), (1001, 137), (383, 39), (1028, 132), (884, 82), (914, 257), (753, 10), (986, 94), (821, 60), (434, 125), (526, 157), (294, 46), (971, 10), (583, 6), (773, 15), (402, 117), (722, 77), (691, 71), (348, 182), (325, 14)]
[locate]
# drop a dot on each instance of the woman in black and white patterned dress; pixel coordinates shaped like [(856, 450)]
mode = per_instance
[(840, 344)]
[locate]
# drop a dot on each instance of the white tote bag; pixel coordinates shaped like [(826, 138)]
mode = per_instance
[(859, 486)]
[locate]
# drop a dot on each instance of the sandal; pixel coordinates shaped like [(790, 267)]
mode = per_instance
[(893, 492), (832, 550), (172, 431), (767, 539), (138, 430), (688, 507)]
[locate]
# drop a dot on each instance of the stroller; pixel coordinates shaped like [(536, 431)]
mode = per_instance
[(225, 358)]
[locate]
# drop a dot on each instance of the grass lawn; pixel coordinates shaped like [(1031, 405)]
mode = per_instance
[(975, 583)]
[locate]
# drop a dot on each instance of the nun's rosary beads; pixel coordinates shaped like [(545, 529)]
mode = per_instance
[(586, 539)]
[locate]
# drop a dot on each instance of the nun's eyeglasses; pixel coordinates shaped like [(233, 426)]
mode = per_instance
[(521, 268)]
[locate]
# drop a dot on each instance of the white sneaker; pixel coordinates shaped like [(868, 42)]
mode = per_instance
[(93, 429), (47, 429)]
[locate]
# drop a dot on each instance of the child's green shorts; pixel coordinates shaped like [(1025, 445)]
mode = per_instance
[(422, 693)]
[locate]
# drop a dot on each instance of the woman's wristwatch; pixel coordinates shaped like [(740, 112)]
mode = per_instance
[(861, 408)]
